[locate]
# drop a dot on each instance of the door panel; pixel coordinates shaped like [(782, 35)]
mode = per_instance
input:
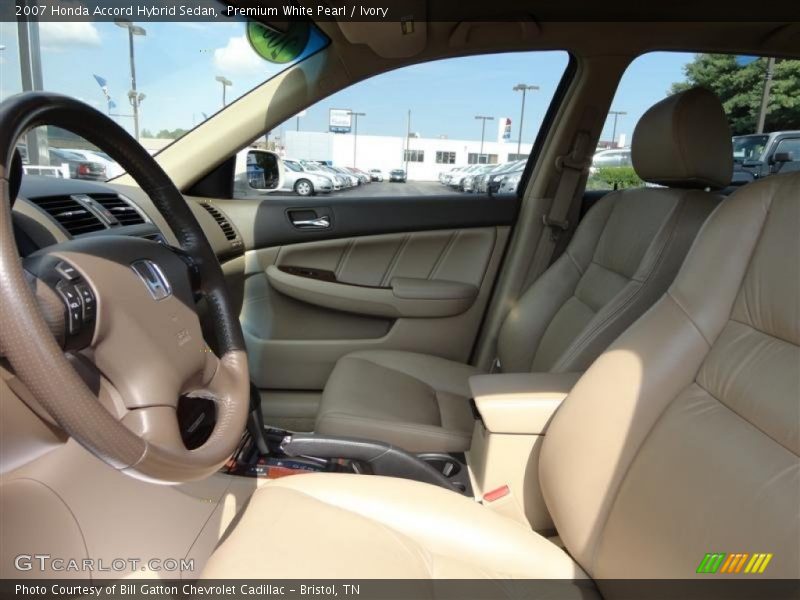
[(293, 345), (267, 223)]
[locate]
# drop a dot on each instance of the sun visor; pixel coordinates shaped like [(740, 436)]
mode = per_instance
[(487, 33), (392, 39)]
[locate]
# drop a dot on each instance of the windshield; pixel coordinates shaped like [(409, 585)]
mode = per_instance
[(158, 80), (749, 147)]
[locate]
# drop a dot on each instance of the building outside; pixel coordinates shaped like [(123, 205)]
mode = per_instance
[(427, 157)]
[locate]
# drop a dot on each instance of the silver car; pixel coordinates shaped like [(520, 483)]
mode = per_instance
[(304, 182), (339, 181), (510, 182)]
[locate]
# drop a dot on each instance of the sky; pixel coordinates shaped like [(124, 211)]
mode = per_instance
[(176, 65)]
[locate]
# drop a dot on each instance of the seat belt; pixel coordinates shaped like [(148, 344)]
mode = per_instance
[(573, 167)]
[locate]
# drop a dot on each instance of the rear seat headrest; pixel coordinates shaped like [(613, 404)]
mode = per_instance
[(684, 141)]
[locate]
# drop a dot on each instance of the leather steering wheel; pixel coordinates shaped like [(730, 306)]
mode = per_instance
[(143, 334)]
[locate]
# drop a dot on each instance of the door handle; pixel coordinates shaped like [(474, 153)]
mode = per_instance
[(318, 223)]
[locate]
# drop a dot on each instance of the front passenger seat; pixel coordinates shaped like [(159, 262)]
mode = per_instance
[(624, 255), (681, 440)]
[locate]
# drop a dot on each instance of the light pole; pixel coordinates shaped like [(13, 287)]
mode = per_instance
[(134, 98), (483, 132), (762, 113), (522, 87), (225, 83), (355, 116), (617, 114), (408, 140)]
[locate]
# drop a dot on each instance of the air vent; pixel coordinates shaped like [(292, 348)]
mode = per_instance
[(124, 212), (227, 228), (70, 214)]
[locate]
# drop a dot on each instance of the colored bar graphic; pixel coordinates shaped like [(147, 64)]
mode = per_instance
[(728, 564), (740, 564), (767, 558), (711, 562), (734, 563)]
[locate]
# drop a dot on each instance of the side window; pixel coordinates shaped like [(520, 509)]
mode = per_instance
[(756, 111), (428, 126)]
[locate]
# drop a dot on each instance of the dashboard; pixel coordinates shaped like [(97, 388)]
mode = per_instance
[(51, 210)]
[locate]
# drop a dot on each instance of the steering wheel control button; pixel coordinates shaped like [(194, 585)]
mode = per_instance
[(72, 299), (153, 278), (88, 300), (67, 271)]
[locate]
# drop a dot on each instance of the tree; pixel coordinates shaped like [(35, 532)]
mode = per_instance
[(165, 134), (741, 87)]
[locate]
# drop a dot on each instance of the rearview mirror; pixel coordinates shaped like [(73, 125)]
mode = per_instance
[(257, 172)]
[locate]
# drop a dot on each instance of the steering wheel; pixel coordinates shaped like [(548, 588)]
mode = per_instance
[(127, 304)]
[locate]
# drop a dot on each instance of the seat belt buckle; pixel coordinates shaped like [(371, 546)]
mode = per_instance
[(555, 223), (556, 227)]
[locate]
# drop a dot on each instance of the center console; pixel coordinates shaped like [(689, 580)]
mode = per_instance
[(500, 468), (292, 453), (515, 410)]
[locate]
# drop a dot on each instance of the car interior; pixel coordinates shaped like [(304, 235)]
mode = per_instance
[(554, 384)]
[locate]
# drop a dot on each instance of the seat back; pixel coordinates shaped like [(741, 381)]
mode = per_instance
[(682, 439), (629, 246)]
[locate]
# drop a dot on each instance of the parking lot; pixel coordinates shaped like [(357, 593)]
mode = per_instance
[(375, 189)]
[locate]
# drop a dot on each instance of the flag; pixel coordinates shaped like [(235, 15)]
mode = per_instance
[(503, 129), (101, 81)]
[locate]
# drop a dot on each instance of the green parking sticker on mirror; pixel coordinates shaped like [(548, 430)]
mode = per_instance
[(277, 46)]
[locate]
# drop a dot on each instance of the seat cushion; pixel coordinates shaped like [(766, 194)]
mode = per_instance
[(417, 402), (355, 526)]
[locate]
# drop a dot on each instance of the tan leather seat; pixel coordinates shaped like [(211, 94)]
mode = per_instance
[(682, 438), (623, 256)]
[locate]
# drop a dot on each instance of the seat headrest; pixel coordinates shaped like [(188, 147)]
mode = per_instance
[(684, 141)]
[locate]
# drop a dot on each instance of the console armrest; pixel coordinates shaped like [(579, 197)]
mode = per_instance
[(521, 403)]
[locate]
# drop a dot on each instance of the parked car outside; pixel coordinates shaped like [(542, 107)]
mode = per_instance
[(344, 179), (494, 179), (376, 175), (446, 176), (615, 157), (338, 180), (758, 155), (362, 176), (479, 185), (458, 178), (302, 182), (354, 181), (470, 183), (510, 182), (79, 168), (397, 176), (113, 168)]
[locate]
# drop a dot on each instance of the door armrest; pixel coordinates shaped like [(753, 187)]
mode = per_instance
[(520, 403), (406, 297)]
